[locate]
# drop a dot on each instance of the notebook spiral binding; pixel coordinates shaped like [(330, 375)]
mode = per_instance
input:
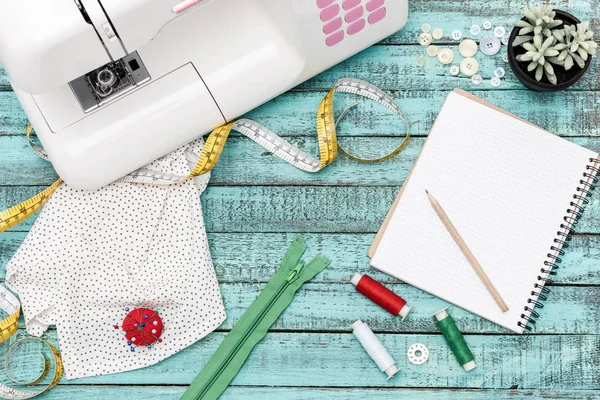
[(540, 292)]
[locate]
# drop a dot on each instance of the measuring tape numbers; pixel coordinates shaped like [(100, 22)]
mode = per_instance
[(8, 327), (213, 148)]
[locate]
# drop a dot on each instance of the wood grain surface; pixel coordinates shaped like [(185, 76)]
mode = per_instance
[(256, 204)]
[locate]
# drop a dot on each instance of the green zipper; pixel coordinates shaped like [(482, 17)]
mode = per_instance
[(254, 324)]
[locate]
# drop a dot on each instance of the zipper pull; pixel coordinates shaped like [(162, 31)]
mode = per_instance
[(295, 273)]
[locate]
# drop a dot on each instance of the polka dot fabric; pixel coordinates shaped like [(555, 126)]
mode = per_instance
[(91, 254)]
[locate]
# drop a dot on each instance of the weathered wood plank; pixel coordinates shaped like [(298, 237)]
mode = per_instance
[(258, 262), (553, 362), (329, 307), (394, 68), (461, 14), (81, 392), (292, 114), (342, 209), (245, 163)]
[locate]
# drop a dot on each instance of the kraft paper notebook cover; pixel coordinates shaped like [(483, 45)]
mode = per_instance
[(511, 189)]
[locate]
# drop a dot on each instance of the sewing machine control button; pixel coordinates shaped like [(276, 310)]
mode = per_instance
[(505, 39), (454, 70), (350, 4), (500, 72), (110, 33), (437, 33), (377, 15), (324, 3), (467, 48), (335, 38), (432, 51), (332, 26), (330, 12), (425, 28), (421, 61), (356, 27), (445, 56), (476, 79), (374, 5), (469, 66), (490, 45), (495, 81), (499, 31), (425, 39), (475, 30), (457, 35), (487, 25), (354, 14)]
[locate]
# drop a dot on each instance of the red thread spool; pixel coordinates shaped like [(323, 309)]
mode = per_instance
[(381, 295)]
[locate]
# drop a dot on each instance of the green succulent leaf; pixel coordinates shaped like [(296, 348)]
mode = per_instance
[(532, 66), (569, 62), (539, 73), (519, 40)]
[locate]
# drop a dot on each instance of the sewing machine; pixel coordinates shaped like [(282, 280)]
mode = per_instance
[(110, 85)]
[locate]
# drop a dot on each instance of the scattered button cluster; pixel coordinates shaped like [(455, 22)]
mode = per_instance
[(490, 44), (349, 19)]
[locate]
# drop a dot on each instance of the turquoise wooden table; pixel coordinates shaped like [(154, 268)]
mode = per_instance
[(256, 204)]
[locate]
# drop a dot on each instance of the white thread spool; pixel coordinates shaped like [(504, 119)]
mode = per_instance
[(373, 346)]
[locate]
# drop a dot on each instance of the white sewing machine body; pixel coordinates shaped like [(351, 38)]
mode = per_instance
[(110, 85)]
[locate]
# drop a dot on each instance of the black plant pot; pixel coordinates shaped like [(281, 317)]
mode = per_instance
[(565, 78)]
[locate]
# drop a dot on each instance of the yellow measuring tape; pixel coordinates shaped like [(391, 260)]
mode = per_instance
[(213, 147), (8, 327)]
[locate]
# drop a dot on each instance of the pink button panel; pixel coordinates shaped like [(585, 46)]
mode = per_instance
[(348, 17)]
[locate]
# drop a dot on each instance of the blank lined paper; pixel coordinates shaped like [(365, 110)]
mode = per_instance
[(506, 186)]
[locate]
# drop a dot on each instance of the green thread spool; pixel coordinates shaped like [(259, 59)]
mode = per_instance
[(455, 340)]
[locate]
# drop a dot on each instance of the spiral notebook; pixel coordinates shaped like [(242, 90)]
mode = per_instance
[(513, 192)]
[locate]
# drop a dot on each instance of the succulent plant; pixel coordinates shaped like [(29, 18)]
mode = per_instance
[(547, 43), (538, 53), (575, 45), (539, 22)]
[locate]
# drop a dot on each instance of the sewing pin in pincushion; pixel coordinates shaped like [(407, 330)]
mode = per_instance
[(141, 327)]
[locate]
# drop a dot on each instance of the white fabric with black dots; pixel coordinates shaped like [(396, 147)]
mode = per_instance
[(90, 254)]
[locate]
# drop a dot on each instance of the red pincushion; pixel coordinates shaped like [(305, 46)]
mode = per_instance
[(143, 327)]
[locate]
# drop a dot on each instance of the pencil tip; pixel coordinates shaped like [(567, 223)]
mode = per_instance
[(426, 191)]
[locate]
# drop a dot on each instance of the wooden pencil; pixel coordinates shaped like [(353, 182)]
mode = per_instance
[(467, 252)]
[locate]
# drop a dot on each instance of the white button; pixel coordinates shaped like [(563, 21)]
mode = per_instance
[(425, 39), (456, 35), (500, 72), (490, 45), (432, 51), (437, 33), (445, 56), (467, 48), (454, 70), (505, 39), (425, 28), (495, 81), (476, 79), (487, 25), (505, 57), (421, 61), (469, 66), (475, 30), (499, 31)]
